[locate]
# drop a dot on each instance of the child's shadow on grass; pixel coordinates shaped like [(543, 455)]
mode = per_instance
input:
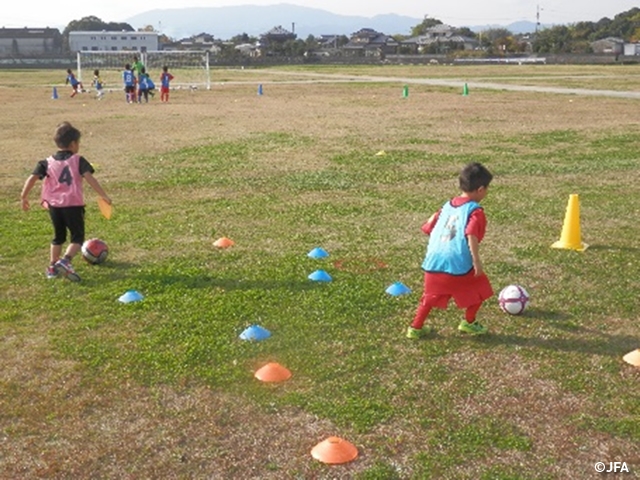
[(226, 284), (125, 270), (597, 343), (115, 270), (559, 320), (539, 314)]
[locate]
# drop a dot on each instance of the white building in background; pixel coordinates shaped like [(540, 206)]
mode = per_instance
[(113, 41), (632, 48)]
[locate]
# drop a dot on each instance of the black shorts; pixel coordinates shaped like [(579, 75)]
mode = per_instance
[(71, 218), (130, 89)]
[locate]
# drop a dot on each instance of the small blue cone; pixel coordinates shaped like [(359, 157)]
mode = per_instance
[(54, 95), (320, 276), (317, 253), (255, 332), (131, 296), (260, 89), (398, 289)]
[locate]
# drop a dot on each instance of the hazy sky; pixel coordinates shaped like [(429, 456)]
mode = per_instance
[(41, 13)]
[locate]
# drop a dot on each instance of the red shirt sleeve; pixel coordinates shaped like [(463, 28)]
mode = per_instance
[(477, 224), (428, 227)]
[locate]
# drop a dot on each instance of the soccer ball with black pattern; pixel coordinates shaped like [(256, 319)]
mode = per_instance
[(513, 299), (95, 251)]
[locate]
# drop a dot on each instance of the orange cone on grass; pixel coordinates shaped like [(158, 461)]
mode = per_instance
[(223, 242), (334, 450), (570, 237), (272, 372)]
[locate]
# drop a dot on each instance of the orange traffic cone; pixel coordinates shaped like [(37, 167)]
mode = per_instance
[(273, 372), (334, 450), (633, 358), (570, 237), (223, 242)]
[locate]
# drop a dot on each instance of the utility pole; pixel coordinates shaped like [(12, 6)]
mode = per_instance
[(537, 18)]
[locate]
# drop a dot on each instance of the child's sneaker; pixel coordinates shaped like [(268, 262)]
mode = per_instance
[(63, 267), (417, 333), (51, 272), (472, 328)]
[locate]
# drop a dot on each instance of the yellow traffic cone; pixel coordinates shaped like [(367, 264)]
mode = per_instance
[(570, 237)]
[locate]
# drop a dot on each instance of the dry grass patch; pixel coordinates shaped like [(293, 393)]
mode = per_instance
[(77, 426)]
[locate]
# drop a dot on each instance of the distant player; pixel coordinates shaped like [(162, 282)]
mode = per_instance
[(74, 82), (165, 80), (144, 86), (137, 66), (151, 86), (99, 84), (129, 84)]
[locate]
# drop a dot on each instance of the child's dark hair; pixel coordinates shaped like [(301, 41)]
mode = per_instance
[(66, 134), (143, 70), (473, 176), (96, 72), (127, 67), (165, 68), (68, 70)]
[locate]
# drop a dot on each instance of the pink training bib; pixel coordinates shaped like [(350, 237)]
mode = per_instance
[(62, 187)]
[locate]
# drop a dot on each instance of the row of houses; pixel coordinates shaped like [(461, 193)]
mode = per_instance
[(443, 37), (364, 42), (27, 42)]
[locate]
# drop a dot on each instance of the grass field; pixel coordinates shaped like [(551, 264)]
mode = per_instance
[(163, 388)]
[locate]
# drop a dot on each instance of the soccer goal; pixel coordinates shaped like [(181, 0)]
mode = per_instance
[(190, 69)]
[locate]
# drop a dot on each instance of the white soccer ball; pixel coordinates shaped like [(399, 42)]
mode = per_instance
[(513, 299)]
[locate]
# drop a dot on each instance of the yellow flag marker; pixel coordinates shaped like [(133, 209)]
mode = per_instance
[(105, 209)]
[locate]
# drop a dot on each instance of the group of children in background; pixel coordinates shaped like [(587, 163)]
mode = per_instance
[(136, 79), (137, 83)]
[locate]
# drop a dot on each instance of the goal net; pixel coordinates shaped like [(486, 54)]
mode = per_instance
[(190, 69)]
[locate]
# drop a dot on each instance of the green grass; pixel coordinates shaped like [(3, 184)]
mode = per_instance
[(344, 340)]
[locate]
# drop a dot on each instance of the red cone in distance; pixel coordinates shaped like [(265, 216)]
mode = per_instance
[(334, 450)]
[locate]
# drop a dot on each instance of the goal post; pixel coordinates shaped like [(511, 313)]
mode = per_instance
[(190, 69)]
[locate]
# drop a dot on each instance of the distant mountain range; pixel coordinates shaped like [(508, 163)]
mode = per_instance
[(226, 22)]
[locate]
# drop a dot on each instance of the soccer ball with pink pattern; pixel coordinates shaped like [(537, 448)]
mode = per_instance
[(513, 299)]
